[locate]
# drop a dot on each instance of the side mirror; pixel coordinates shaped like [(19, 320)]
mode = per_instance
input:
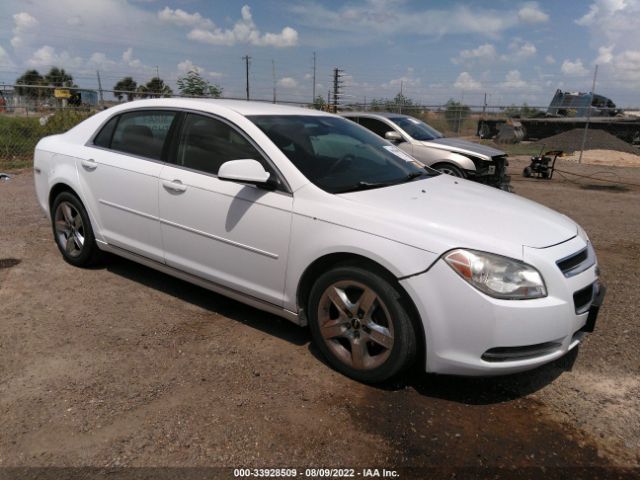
[(245, 171), (393, 136)]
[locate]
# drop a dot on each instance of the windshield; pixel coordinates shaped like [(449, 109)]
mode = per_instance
[(417, 129), (338, 155)]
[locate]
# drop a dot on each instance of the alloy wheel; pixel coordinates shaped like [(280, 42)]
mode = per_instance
[(355, 324), (69, 229)]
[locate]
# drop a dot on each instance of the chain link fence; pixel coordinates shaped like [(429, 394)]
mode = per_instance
[(23, 124)]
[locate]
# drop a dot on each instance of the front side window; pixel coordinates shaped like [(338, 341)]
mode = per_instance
[(338, 155), (376, 126), (206, 143), (142, 133), (416, 129)]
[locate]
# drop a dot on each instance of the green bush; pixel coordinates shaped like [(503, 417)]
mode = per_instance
[(19, 135)]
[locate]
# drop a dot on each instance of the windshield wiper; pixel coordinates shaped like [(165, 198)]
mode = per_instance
[(369, 185)]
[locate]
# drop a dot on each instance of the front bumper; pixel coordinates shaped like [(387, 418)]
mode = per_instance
[(492, 173), (470, 333)]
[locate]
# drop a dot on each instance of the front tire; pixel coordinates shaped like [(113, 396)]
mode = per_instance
[(360, 325), (449, 169), (72, 231)]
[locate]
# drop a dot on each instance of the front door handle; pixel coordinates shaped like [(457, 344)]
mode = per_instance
[(175, 186), (89, 164)]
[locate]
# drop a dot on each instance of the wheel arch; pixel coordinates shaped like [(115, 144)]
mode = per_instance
[(332, 260), (57, 189)]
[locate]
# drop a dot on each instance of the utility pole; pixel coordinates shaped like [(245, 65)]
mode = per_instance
[(401, 96), (157, 72), (246, 59), (273, 68), (586, 125), (100, 88), (484, 105), (337, 85), (313, 100)]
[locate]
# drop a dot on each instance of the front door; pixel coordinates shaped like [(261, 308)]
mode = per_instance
[(232, 234)]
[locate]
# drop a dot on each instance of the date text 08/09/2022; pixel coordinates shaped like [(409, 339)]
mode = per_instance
[(314, 473)]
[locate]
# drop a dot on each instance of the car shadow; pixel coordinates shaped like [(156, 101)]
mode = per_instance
[(464, 390), (208, 300), (482, 390), (472, 390)]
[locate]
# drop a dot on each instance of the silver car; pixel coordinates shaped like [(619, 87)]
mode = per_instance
[(448, 155)]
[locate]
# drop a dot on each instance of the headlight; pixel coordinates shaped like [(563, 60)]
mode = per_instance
[(497, 276)]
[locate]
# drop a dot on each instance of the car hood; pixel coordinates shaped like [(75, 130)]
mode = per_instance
[(440, 213), (463, 146)]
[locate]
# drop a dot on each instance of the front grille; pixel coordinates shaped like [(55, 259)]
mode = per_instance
[(506, 354), (582, 299), (577, 262)]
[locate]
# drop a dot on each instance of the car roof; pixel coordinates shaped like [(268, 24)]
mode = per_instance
[(373, 114), (241, 107)]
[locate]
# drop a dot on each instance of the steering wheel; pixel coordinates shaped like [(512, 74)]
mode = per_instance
[(349, 157)]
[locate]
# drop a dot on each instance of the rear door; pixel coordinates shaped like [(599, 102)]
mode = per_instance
[(232, 234), (119, 177)]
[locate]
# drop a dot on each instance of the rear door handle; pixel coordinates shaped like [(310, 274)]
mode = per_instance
[(174, 186), (89, 164)]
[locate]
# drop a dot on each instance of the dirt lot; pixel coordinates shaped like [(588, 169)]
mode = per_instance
[(123, 366)]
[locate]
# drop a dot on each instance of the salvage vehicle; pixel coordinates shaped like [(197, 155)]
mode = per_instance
[(311, 217), (453, 156)]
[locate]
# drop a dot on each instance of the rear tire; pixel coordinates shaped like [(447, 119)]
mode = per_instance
[(360, 325), (72, 231), (526, 172)]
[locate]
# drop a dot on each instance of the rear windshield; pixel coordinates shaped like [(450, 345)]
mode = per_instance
[(338, 155), (417, 129)]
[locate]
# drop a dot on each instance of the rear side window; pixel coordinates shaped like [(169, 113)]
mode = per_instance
[(103, 139), (142, 133), (206, 143)]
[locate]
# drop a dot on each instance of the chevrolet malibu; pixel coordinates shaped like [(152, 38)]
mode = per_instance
[(312, 217)]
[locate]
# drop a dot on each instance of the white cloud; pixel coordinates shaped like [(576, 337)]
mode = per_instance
[(376, 18), (531, 13), (612, 20), (485, 53), (23, 22), (605, 55), (47, 56), (129, 60), (549, 59), (5, 60), (100, 61), (466, 82), (513, 80), (287, 82), (525, 50), (187, 66), (244, 30), (183, 19), (575, 68)]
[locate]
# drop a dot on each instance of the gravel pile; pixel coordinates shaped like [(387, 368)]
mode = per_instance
[(596, 140)]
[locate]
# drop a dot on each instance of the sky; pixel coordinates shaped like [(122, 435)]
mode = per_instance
[(514, 51)]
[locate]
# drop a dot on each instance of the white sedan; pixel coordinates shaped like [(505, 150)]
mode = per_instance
[(314, 218)]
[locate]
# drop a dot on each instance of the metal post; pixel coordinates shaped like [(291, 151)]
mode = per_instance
[(100, 89), (313, 100), (586, 125), (273, 69), (246, 59)]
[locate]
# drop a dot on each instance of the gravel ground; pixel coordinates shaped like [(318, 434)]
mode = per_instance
[(596, 139), (123, 366)]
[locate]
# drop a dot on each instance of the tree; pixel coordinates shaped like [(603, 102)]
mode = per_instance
[(157, 88), (193, 85), (125, 86), (525, 111), (455, 113), (31, 77), (57, 77)]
